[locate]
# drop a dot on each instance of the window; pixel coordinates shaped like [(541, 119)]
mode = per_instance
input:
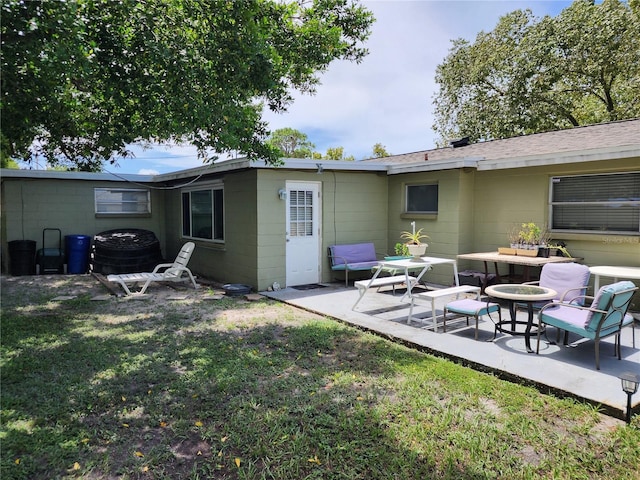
[(122, 201), (422, 198), (604, 203), (203, 213), (301, 213)]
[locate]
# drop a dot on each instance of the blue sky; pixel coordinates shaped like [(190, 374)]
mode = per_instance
[(385, 99)]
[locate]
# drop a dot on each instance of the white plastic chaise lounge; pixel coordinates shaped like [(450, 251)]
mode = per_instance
[(173, 272)]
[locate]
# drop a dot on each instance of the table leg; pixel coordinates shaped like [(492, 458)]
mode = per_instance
[(512, 313), (527, 332), (364, 290)]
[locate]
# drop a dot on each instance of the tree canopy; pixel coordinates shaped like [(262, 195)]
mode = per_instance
[(530, 75), (337, 153), (82, 79), (291, 143), (380, 151)]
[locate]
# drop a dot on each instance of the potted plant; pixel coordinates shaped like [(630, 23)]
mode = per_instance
[(414, 241), (558, 249), (513, 237), (529, 239), (400, 252)]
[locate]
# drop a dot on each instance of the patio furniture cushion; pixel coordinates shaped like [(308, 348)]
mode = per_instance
[(352, 254), (570, 280), (470, 307), (352, 257)]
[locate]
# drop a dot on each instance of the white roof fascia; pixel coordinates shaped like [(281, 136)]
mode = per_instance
[(435, 165), (313, 164), (287, 163), (594, 155), (62, 175), (219, 166)]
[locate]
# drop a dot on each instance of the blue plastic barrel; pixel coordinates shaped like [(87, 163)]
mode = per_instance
[(77, 251)]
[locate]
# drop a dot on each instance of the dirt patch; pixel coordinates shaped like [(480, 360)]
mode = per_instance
[(206, 307)]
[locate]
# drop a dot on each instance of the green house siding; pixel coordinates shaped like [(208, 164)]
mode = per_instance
[(355, 210), (234, 260), (254, 249), (447, 228), (30, 205), (504, 199)]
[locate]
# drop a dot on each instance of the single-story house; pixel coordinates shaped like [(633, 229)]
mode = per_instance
[(258, 224)]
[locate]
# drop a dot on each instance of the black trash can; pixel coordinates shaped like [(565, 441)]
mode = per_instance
[(77, 251), (22, 257)]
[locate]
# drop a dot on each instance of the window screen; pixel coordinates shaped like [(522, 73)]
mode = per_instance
[(422, 198), (122, 201), (607, 203)]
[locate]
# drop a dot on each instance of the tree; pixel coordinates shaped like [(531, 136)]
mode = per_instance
[(291, 143), (337, 153), (82, 79), (530, 75), (380, 151)]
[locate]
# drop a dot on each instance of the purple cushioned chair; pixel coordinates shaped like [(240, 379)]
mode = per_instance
[(570, 280)]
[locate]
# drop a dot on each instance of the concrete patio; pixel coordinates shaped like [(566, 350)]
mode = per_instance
[(559, 370)]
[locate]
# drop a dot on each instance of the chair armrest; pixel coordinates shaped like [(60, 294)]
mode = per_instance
[(569, 305), (344, 260), (536, 282), (162, 265), (563, 298)]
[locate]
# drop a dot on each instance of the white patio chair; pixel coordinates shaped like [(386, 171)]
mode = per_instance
[(172, 272)]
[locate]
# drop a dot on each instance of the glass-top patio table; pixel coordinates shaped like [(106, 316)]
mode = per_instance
[(514, 293)]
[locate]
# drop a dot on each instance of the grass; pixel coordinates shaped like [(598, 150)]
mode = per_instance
[(227, 389)]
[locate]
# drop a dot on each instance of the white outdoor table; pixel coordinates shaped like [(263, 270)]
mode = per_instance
[(405, 266), (631, 273), (528, 294), (526, 262)]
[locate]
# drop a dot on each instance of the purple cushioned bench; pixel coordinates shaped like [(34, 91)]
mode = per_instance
[(352, 257)]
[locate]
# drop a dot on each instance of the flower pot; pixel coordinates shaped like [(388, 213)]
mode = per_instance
[(417, 250), (527, 252), (543, 252)]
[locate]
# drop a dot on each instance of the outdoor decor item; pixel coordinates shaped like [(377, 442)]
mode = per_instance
[(414, 243)]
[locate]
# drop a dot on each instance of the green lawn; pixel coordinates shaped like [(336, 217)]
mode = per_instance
[(203, 388)]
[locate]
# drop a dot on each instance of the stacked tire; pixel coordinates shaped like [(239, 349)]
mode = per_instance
[(125, 251)]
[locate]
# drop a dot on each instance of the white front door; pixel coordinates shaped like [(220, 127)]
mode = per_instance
[(303, 233)]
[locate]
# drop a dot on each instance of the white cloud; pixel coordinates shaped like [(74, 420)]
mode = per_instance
[(388, 97), (148, 171)]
